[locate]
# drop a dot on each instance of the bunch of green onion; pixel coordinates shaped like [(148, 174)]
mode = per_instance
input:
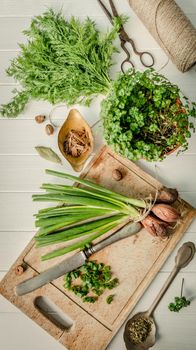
[(82, 213)]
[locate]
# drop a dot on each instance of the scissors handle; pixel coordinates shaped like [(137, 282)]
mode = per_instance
[(143, 55), (127, 60)]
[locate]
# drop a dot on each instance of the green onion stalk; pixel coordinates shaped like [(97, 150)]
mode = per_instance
[(81, 215)]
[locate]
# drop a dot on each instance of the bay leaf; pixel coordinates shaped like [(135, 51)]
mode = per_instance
[(48, 154)]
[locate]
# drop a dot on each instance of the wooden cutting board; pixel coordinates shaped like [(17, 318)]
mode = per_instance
[(135, 261)]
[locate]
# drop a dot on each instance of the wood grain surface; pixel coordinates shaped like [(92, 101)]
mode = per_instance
[(135, 261), (18, 137)]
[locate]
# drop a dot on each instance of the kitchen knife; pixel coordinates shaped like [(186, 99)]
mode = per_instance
[(75, 261)]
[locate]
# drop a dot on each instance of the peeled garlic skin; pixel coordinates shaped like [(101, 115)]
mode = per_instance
[(155, 226), (165, 212)]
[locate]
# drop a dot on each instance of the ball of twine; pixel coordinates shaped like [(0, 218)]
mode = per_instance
[(171, 29)]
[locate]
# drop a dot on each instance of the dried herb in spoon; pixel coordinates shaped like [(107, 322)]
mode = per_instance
[(139, 329)]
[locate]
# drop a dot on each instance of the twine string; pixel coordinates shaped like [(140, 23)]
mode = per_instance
[(170, 28)]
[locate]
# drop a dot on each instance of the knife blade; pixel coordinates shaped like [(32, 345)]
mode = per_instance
[(70, 264), (75, 261)]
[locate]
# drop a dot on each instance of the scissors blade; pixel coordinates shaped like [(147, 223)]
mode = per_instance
[(108, 14), (113, 7)]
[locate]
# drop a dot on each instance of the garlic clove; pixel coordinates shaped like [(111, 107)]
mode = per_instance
[(49, 129)]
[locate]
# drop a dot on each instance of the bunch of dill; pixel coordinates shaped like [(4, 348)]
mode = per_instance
[(63, 61)]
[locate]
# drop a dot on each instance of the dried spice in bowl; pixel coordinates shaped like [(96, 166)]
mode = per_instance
[(77, 142)]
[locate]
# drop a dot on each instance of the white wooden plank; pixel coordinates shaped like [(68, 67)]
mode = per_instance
[(167, 267), (26, 134), (35, 7), (11, 246), (170, 336), (17, 211), (190, 197), (160, 60), (14, 26), (75, 7), (13, 242), (188, 6), (2, 274), (32, 170), (173, 74), (174, 171), (175, 331), (5, 58), (34, 108), (25, 334), (148, 296), (5, 306), (179, 330)]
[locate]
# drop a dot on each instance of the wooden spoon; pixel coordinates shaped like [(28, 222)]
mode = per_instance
[(76, 122), (184, 255)]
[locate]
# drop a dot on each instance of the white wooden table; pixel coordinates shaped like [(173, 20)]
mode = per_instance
[(22, 172)]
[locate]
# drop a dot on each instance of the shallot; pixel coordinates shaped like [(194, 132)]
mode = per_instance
[(166, 212)]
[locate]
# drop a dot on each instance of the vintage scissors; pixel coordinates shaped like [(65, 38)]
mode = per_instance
[(124, 38)]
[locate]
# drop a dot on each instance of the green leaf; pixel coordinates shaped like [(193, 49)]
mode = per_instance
[(62, 61), (110, 299), (91, 280), (81, 244), (98, 189), (145, 116), (48, 154)]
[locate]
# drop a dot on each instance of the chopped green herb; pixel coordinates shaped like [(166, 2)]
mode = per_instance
[(90, 280), (112, 284), (110, 298), (90, 299)]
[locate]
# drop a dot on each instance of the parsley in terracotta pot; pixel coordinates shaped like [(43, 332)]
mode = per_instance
[(146, 116)]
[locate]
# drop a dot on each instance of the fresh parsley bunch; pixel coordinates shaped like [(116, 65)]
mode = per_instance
[(63, 61), (146, 116), (178, 304)]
